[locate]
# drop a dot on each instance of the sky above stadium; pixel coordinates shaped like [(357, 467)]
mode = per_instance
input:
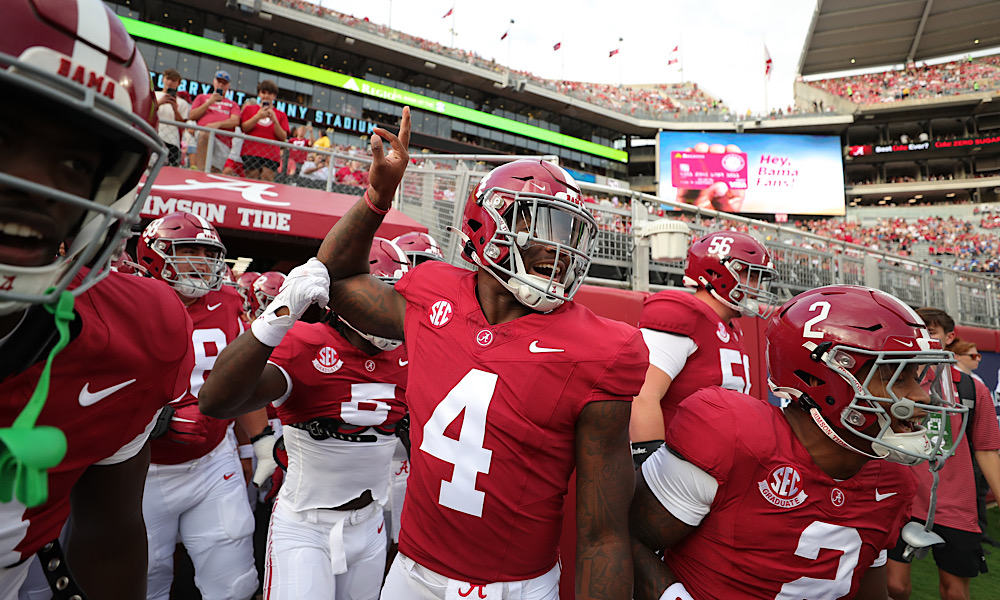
[(720, 42)]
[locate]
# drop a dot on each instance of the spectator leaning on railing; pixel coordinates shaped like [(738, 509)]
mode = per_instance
[(216, 111), (263, 120), (170, 106)]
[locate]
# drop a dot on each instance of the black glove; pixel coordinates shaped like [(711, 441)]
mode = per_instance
[(642, 450)]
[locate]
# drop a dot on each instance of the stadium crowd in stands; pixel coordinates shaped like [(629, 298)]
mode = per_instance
[(924, 81)]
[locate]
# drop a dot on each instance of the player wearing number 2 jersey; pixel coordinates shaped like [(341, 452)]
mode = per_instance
[(753, 501), (693, 339), (510, 384)]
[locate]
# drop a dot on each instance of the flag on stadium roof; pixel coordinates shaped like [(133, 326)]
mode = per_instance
[(448, 14), (557, 46), (767, 62)]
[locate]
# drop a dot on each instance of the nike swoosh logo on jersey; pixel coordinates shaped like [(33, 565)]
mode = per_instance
[(381, 526), (226, 477), (213, 306), (88, 398), (403, 363), (536, 349), (880, 497)]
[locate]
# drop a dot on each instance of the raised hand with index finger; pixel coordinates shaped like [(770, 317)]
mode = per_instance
[(387, 169)]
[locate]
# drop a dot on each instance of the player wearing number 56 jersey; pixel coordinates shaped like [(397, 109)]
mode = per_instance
[(694, 341), (511, 386), (753, 501)]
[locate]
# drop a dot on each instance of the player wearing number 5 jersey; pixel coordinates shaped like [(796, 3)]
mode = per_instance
[(693, 339), (753, 501), (510, 386), (340, 396)]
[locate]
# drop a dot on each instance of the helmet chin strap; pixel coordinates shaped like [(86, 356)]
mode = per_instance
[(191, 287), (383, 344), (915, 441)]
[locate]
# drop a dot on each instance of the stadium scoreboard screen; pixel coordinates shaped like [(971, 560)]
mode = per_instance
[(758, 173)]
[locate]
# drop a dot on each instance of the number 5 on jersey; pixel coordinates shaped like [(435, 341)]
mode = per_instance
[(473, 395)]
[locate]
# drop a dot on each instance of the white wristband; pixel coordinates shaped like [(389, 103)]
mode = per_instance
[(270, 329), (246, 451), (676, 592)]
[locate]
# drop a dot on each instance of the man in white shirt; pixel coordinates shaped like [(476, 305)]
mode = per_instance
[(170, 107)]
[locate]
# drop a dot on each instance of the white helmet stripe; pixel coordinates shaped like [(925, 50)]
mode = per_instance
[(92, 24), (202, 221)]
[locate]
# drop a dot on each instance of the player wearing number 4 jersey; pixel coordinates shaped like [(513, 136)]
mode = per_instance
[(752, 501), (694, 341), (339, 394), (510, 385)]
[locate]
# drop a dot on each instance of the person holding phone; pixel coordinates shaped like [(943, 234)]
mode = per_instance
[(217, 111), (263, 120), (169, 106)]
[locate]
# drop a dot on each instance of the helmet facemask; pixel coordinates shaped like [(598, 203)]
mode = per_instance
[(752, 296), (112, 207), (192, 276), (533, 223), (909, 439)]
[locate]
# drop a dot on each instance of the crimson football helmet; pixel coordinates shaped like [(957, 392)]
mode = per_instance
[(522, 204), (736, 269), (265, 288), (419, 247), (160, 246), (826, 346), (387, 262), (53, 61), (244, 285)]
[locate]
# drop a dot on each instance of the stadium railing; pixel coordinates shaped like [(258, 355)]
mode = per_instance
[(435, 186), (433, 193)]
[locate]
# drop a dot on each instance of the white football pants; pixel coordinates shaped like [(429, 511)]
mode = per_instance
[(408, 580), (323, 554), (203, 504)]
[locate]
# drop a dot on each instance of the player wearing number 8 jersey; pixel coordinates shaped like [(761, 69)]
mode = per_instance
[(694, 341), (510, 384), (752, 501)]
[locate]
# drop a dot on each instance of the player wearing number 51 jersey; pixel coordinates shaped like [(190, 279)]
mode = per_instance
[(694, 341), (753, 501), (511, 386)]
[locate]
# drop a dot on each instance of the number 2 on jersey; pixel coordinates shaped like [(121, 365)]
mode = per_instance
[(473, 395), (815, 537)]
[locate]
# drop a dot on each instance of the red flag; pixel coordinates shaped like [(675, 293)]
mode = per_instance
[(613, 52), (672, 61), (557, 46), (767, 62), (505, 34), (676, 48), (448, 14)]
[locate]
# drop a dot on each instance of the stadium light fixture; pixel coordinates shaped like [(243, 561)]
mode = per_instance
[(918, 196), (950, 195), (290, 68), (853, 61), (429, 64), (887, 198), (349, 41)]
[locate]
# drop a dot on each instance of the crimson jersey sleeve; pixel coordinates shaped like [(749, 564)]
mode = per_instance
[(668, 311), (699, 431)]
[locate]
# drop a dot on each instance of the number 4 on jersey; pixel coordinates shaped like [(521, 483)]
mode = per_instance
[(472, 395)]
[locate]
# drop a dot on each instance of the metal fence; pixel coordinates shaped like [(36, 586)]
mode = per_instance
[(435, 186), (433, 193)]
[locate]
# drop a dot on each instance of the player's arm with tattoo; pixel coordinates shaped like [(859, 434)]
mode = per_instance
[(354, 294), (604, 483), (241, 380), (652, 528), (106, 549)]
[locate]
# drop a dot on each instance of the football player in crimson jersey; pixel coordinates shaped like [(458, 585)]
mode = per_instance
[(511, 385), (693, 339), (196, 490), (265, 288), (80, 387), (244, 285), (340, 396), (753, 501)]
